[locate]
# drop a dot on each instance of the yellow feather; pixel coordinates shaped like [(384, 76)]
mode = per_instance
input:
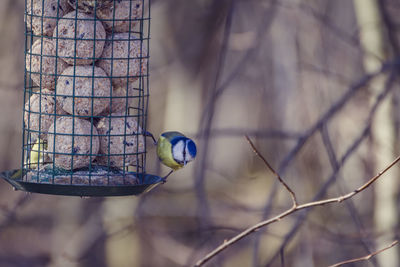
[(34, 157), (164, 152)]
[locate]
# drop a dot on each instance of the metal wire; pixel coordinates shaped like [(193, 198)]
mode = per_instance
[(66, 114)]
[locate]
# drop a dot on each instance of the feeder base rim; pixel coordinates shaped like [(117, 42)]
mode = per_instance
[(14, 177)]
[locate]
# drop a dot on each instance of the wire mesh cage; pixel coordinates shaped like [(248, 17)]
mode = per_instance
[(86, 97)]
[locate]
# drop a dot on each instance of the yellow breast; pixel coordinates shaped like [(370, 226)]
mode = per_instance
[(164, 152)]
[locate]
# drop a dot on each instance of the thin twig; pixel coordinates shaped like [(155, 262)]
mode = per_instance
[(352, 210), (293, 209), (292, 194), (389, 26), (265, 24), (367, 257), (208, 118), (259, 133), (356, 143), (323, 120)]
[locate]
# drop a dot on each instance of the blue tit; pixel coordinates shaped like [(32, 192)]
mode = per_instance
[(175, 150), (37, 154)]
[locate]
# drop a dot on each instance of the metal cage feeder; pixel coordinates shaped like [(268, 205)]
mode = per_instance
[(86, 96)]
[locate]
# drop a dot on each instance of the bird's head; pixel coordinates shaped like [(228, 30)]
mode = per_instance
[(183, 150)]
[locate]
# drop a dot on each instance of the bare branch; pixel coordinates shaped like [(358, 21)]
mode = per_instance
[(364, 133), (294, 209), (352, 210), (238, 132), (292, 194), (390, 27), (365, 258)]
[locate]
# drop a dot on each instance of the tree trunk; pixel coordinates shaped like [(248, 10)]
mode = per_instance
[(383, 131)]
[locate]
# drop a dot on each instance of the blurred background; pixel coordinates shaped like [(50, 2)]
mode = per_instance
[(314, 84)]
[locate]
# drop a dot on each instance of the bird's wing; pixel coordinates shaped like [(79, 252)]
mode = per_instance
[(172, 135)]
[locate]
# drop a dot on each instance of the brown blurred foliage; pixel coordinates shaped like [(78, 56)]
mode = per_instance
[(290, 74)]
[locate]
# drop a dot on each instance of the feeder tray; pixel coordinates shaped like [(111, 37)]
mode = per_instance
[(145, 182), (86, 97)]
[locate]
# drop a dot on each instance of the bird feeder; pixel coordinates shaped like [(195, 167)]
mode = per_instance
[(86, 95)]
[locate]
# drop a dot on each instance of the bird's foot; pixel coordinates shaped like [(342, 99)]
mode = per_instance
[(149, 134), (164, 179)]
